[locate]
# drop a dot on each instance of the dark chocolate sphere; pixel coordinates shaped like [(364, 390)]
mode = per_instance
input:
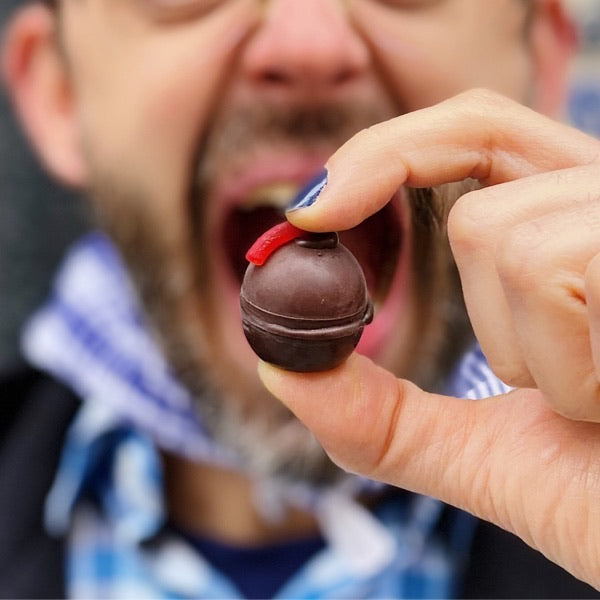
[(306, 307)]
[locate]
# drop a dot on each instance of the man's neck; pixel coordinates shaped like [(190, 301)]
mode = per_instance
[(217, 503)]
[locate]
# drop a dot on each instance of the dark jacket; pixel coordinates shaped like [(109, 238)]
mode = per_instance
[(35, 412)]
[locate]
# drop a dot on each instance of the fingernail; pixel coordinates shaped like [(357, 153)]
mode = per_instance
[(309, 194)]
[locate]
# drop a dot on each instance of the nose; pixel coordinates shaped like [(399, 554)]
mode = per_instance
[(304, 47)]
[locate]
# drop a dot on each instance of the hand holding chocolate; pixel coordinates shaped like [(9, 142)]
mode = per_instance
[(304, 299)]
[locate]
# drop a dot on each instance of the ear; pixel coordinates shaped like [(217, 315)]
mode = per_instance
[(36, 78), (553, 42)]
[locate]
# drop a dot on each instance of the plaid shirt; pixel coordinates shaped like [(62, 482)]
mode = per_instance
[(108, 497), (108, 500)]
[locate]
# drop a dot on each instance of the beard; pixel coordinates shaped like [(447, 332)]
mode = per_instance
[(173, 274)]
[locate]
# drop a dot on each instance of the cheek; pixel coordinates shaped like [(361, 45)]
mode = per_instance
[(427, 58), (144, 100)]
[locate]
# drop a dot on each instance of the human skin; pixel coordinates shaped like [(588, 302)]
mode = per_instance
[(529, 258), (131, 100)]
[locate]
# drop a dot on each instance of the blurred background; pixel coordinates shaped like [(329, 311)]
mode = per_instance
[(583, 106), (38, 219)]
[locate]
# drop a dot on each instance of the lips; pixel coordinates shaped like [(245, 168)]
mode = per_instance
[(377, 243)]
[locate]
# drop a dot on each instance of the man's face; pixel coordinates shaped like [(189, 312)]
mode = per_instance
[(200, 119)]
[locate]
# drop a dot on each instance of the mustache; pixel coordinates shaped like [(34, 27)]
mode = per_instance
[(232, 138)]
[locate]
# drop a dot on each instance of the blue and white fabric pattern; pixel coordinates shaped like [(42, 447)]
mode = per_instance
[(108, 496)]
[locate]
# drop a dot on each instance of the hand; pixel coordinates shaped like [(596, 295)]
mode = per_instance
[(527, 246)]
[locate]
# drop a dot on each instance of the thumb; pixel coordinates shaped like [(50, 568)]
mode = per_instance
[(388, 429), (507, 459)]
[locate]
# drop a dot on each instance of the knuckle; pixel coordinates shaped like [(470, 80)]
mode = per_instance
[(481, 96), (467, 222), (484, 105), (568, 411), (510, 369), (515, 375), (584, 406), (521, 255), (396, 398), (374, 134), (592, 279)]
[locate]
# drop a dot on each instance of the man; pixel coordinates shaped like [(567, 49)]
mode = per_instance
[(193, 124)]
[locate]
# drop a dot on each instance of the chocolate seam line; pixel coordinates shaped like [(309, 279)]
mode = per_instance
[(363, 314), (324, 334)]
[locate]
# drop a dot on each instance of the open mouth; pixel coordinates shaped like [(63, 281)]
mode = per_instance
[(376, 243)]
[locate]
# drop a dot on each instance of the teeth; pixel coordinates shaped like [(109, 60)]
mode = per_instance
[(276, 195)]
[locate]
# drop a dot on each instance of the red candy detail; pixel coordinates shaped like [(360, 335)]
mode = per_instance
[(270, 240)]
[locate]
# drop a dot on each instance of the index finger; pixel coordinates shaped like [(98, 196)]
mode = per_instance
[(478, 134)]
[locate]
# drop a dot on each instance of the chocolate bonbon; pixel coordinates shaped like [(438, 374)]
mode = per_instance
[(304, 299)]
